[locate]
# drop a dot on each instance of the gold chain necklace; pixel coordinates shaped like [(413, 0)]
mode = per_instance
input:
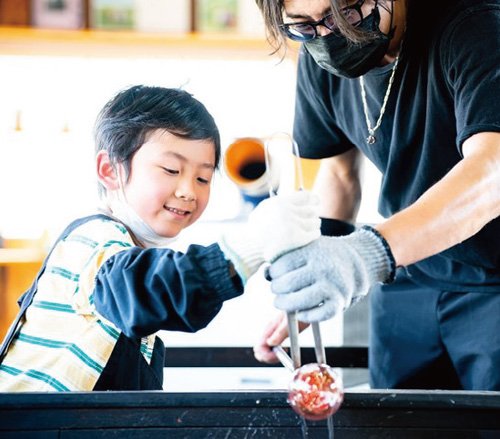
[(371, 139)]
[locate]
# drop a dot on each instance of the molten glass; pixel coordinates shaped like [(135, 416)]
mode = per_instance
[(315, 391)]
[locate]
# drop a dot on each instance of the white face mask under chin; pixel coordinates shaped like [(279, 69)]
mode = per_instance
[(141, 230)]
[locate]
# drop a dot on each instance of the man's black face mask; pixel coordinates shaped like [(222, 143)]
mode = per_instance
[(340, 57)]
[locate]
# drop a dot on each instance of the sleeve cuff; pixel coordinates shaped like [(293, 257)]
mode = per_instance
[(335, 227)]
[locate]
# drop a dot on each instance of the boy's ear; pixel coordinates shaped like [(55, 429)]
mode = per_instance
[(106, 173)]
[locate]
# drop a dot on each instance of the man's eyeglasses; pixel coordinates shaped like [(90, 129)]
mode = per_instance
[(307, 30)]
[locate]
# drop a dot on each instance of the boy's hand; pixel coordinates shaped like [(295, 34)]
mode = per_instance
[(276, 226)]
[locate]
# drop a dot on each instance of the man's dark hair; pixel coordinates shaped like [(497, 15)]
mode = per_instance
[(124, 123)]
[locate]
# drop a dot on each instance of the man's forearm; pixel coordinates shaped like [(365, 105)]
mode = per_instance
[(337, 183), (454, 209)]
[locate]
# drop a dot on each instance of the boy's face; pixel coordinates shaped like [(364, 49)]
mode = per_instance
[(169, 182)]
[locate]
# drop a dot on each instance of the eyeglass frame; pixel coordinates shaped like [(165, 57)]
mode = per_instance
[(322, 22)]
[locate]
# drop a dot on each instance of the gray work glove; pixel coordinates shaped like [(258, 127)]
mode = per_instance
[(330, 274), (277, 225)]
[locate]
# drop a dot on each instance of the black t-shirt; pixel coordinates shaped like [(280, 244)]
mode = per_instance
[(446, 88)]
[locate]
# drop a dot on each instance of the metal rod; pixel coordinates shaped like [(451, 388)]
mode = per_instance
[(331, 427), (267, 160), (293, 335), (298, 165), (319, 349), (293, 324), (284, 358), (318, 343), (300, 181)]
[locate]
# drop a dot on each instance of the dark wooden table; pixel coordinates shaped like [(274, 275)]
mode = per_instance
[(367, 414)]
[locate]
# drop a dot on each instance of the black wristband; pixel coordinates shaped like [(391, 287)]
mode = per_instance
[(335, 227), (388, 252)]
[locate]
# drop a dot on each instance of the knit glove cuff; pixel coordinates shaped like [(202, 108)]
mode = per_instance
[(276, 226), (244, 253), (377, 255)]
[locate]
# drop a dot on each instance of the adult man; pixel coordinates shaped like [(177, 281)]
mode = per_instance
[(414, 86)]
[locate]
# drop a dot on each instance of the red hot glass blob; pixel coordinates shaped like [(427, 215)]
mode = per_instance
[(315, 392)]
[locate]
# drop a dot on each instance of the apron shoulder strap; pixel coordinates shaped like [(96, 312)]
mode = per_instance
[(27, 298)]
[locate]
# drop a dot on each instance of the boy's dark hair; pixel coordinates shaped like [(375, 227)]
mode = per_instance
[(124, 123)]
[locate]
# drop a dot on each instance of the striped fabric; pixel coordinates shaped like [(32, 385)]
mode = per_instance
[(63, 344)]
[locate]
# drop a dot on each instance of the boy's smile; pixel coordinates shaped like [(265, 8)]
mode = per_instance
[(178, 212)]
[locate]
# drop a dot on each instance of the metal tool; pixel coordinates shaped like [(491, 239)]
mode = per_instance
[(318, 343), (293, 335), (284, 358), (319, 349), (293, 326)]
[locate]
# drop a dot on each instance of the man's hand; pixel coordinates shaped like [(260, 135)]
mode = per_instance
[(275, 332), (330, 274)]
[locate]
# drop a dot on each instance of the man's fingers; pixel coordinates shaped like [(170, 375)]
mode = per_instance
[(325, 311), (263, 348), (264, 354), (286, 263), (280, 332), (307, 298)]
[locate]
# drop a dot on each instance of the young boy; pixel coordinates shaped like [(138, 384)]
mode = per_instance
[(109, 283)]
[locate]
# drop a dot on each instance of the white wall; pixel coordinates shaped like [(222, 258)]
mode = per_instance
[(49, 173)]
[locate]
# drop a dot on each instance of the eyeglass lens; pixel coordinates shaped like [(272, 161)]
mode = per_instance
[(308, 30)]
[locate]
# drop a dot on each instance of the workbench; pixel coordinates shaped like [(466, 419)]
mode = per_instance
[(377, 414)]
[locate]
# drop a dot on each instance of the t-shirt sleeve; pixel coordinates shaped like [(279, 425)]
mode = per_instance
[(314, 129), (143, 291), (471, 61)]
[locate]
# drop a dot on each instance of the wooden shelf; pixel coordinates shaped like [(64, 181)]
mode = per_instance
[(14, 256), (95, 43), (18, 269)]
